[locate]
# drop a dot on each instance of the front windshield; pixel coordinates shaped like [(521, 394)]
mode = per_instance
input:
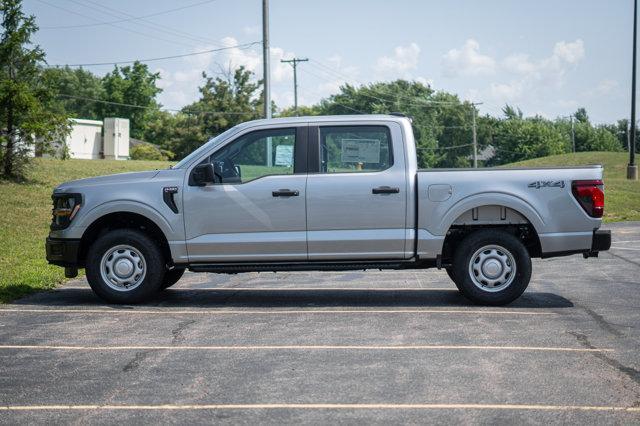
[(204, 147)]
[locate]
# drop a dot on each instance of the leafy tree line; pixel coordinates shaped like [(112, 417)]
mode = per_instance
[(36, 102), (442, 122)]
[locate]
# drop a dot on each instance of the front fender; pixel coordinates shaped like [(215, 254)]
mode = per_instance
[(128, 206)]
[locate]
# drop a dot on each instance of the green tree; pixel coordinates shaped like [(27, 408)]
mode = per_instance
[(148, 151), (441, 122), (511, 112), (303, 111), (224, 102), (26, 120), (75, 89), (132, 85), (519, 139), (581, 115), (589, 138)]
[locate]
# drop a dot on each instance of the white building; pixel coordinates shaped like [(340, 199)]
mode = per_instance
[(95, 140), (85, 139)]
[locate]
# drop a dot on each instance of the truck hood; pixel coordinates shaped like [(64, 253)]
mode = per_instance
[(133, 177)]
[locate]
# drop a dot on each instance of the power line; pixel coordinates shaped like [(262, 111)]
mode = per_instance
[(133, 18), (162, 58), (385, 100), (337, 102), (101, 101), (163, 29), (416, 101), (155, 37)]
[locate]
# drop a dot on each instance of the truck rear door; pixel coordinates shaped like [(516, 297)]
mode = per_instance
[(356, 192)]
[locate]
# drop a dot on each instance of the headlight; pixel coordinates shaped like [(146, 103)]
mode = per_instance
[(65, 208)]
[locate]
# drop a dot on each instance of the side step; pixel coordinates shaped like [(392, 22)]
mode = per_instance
[(234, 268)]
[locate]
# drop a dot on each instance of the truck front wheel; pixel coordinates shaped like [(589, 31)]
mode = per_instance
[(125, 266), (492, 267), (171, 277)]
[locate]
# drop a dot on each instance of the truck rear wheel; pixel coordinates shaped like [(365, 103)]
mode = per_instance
[(492, 267), (451, 274), (125, 266)]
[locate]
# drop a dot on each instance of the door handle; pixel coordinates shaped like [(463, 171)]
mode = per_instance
[(285, 193), (385, 190)]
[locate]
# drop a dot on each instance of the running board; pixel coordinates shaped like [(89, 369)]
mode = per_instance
[(234, 268)]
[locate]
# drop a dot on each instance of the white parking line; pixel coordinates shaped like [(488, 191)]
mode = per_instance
[(625, 248), (271, 312), (303, 347), (288, 289), (381, 406)]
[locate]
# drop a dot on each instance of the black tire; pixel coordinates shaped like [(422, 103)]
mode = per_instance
[(501, 244), (450, 272), (171, 277), (152, 259)]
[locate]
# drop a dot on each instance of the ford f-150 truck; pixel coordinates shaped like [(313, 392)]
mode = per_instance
[(323, 193)]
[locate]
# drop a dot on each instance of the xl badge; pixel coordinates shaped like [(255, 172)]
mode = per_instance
[(547, 184)]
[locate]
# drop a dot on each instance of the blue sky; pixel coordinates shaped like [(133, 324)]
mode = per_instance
[(547, 57)]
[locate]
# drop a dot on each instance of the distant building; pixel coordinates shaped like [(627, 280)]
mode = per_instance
[(96, 140), (85, 139)]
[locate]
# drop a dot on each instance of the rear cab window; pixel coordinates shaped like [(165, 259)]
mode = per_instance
[(355, 149)]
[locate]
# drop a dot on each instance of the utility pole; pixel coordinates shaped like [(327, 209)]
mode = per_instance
[(475, 135), (573, 134), (632, 168), (294, 64), (266, 78)]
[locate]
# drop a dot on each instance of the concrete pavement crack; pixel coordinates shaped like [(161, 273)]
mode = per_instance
[(630, 372)]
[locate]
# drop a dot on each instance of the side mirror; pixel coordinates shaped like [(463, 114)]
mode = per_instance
[(202, 174)]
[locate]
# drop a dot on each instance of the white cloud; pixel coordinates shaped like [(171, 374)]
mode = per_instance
[(467, 61), (506, 92), (606, 86), (570, 52), (567, 104), (403, 60), (252, 30), (181, 85), (424, 81), (518, 63), (550, 70), (538, 80)]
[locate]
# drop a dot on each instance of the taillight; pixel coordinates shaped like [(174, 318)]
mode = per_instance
[(590, 195)]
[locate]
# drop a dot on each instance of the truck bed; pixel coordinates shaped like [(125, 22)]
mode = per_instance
[(540, 196)]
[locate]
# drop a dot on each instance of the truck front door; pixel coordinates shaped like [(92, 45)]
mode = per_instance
[(257, 212), (357, 199)]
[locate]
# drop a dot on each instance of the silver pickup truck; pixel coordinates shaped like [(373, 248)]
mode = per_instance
[(322, 193)]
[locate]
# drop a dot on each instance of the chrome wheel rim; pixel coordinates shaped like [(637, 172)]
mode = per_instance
[(123, 268), (492, 268)]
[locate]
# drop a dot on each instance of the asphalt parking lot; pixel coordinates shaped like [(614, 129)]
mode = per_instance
[(334, 347)]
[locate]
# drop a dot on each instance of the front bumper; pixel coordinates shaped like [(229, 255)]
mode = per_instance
[(63, 252)]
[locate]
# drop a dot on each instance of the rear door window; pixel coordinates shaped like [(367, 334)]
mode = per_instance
[(355, 149)]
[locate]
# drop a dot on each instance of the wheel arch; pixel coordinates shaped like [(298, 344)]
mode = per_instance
[(477, 215), (123, 220)]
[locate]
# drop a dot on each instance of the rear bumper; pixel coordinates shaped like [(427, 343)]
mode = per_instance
[(62, 252), (601, 240), (598, 240)]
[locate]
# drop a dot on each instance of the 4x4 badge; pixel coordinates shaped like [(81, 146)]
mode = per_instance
[(547, 184)]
